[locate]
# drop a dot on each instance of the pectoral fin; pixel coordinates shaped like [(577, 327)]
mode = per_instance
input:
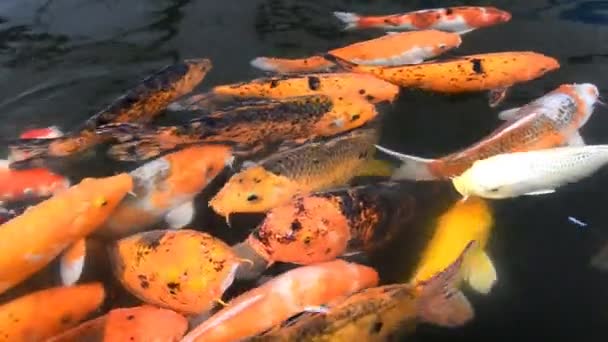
[(496, 96), (375, 167), (180, 216), (72, 262), (509, 114), (540, 192), (576, 140), (480, 272)]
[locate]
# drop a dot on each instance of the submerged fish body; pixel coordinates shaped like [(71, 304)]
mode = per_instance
[(335, 84), (550, 121), (140, 323), (311, 167), (472, 73), (529, 173), (388, 50), (182, 270), (382, 313), (22, 319), (140, 105), (16, 185), (451, 19), (33, 239), (322, 226), (250, 127), (164, 189), (282, 297)]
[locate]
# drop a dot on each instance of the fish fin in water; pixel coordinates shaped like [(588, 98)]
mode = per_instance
[(412, 167), (540, 192), (72, 262), (480, 271), (440, 301), (496, 96), (375, 167), (180, 216), (265, 64), (509, 114), (349, 19), (465, 31), (576, 140), (600, 260)]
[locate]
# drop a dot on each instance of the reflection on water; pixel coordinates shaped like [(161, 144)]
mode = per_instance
[(62, 60)]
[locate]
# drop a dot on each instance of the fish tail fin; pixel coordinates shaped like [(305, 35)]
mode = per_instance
[(440, 301), (412, 167), (192, 102), (72, 262), (137, 142), (349, 19), (600, 260), (287, 66)]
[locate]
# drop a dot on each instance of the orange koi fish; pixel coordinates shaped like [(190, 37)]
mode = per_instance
[(495, 72), (184, 270), (141, 323), (42, 133), (252, 127), (43, 314), (341, 84), (32, 240), (311, 167), (16, 185), (278, 299), (389, 50), (322, 226), (382, 313), (549, 121), (451, 19), (140, 105)]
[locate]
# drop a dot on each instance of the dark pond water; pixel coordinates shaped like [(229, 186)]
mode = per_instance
[(61, 60)]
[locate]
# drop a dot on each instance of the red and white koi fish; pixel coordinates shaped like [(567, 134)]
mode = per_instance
[(451, 19)]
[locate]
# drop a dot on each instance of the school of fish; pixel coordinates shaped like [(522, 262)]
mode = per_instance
[(295, 157)]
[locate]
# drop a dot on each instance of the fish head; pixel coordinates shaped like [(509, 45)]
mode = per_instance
[(307, 230), (588, 94), (196, 70), (445, 41), (347, 113), (376, 90), (484, 179), (253, 190)]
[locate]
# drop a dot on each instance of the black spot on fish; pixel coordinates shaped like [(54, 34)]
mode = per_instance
[(362, 91), (477, 68), (151, 239), (328, 250), (363, 155), (307, 240), (173, 287), (369, 98), (65, 319), (314, 83), (355, 117), (296, 225), (316, 161), (449, 11), (257, 180), (252, 197), (130, 317), (375, 329), (274, 83)]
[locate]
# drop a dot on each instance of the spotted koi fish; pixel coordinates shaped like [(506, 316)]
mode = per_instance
[(382, 313), (451, 19), (549, 121), (182, 270), (322, 226), (140, 105), (341, 84), (389, 50), (251, 128), (494, 72)]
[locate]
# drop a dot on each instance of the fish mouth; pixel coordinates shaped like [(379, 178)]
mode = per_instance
[(460, 187)]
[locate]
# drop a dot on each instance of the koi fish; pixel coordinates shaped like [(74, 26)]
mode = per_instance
[(324, 225), (32, 240), (42, 133), (16, 185), (382, 313), (250, 127), (140, 323), (462, 222), (22, 319), (342, 84), (549, 121), (311, 167), (530, 173), (140, 105), (185, 270), (389, 50), (495, 72), (451, 19), (282, 297)]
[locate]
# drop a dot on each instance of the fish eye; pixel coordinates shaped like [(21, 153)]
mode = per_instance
[(101, 202), (494, 190), (442, 46), (355, 117), (252, 198)]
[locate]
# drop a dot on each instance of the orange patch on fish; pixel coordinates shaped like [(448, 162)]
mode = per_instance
[(43, 314), (186, 271), (17, 185), (32, 240)]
